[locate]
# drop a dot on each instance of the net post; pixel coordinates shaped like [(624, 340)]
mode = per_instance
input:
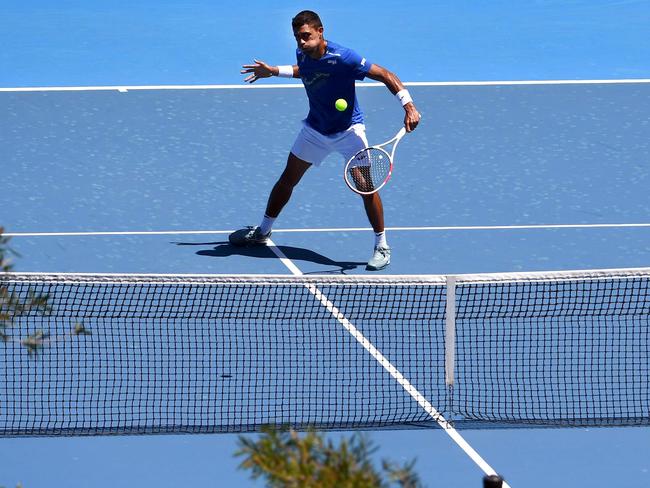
[(450, 331)]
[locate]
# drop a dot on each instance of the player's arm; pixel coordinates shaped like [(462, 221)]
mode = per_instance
[(393, 83), (262, 70)]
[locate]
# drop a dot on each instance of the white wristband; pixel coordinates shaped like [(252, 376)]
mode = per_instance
[(285, 71), (404, 96)]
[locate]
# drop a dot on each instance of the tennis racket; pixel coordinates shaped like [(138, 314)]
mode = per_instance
[(369, 170)]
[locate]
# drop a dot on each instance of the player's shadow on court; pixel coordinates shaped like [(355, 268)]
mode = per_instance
[(225, 249)]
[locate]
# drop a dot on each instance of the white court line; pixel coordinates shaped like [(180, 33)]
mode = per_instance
[(126, 88), (331, 229), (295, 270), (389, 367)]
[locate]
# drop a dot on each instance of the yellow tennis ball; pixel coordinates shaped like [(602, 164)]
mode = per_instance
[(341, 105)]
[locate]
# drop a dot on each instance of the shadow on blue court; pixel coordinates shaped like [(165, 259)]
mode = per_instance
[(226, 250)]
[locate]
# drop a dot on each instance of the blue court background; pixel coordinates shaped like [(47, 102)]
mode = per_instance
[(171, 160)]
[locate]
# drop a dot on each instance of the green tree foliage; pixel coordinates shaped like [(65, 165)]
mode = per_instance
[(5, 264), (12, 307), (289, 459)]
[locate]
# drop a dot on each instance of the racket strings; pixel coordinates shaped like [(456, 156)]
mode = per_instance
[(370, 169)]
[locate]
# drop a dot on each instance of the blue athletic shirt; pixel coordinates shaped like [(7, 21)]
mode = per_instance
[(326, 80)]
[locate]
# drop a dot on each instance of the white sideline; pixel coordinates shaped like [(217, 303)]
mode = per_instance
[(245, 86), (332, 229)]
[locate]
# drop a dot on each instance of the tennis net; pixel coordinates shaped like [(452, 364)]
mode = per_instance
[(136, 354)]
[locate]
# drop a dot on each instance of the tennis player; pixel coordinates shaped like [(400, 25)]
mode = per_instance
[(328, 72)]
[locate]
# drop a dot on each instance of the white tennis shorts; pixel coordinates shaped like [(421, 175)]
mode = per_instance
[(313, 147)]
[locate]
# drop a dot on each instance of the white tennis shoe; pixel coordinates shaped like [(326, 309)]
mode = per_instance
[(379, 260)]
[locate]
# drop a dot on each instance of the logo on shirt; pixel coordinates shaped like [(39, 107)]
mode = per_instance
[(331, 61), (317, 79), (363, 62)]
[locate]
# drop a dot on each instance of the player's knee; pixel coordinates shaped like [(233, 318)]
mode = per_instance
[(284, 184), (288, 180), (294, 171)]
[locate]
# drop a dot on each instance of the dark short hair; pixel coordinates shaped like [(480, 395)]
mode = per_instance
[(306, 17)]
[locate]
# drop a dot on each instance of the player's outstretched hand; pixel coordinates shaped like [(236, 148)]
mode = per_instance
[(259, 70), (411, 117)]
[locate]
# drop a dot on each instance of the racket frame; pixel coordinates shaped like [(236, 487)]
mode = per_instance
[(395, 140)]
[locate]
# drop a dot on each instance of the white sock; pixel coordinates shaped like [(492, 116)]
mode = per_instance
[(267, 224), (380, 239)]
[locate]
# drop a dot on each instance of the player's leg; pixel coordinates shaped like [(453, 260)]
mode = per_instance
[(283, 188), (280, 195), (375, 211), (351, 142), (310, 148)]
